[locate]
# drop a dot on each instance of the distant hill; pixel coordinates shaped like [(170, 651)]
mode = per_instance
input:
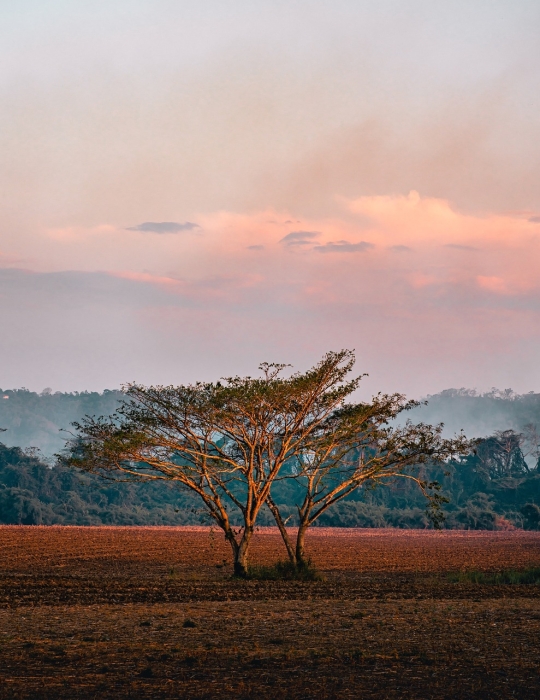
[(35, 420), (479, 415)]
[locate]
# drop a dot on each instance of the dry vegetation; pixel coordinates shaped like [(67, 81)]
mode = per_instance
[(154, 613)]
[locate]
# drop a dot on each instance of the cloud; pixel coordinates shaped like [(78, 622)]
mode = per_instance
[(401, 248), (224, 288), (419, 280), (493, 284), (163, 227), (535, 219), (344, 247), (459, 246), (299, 237), (255, 247)]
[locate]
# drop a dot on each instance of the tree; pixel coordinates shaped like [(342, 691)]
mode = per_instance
[(231, 441), (227, 441), (357, 446), (500, 455)]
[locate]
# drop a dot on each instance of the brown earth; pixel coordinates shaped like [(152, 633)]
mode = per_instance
[(154, 613)]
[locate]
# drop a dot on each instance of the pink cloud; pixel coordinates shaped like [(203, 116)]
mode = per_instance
[(493, 284), (210, 287), (169, 283), (452, 252), (419, 280)]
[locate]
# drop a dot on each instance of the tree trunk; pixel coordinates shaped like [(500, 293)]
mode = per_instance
[(241, 554), (300, 541), (283, 530)]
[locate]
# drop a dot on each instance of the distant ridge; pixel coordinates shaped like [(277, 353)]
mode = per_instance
[(34, 419)]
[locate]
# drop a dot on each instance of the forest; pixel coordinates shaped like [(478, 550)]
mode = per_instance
[(491, 490)]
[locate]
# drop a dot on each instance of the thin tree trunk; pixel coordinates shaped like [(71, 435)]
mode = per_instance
[(283, 530), (231, 539)]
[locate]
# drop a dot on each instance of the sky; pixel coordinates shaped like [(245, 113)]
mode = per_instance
[(188, 189)]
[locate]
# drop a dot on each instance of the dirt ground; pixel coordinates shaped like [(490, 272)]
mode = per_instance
[(154, 613)]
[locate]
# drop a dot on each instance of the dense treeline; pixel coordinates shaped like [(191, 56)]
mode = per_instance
[(33, 493), (497, 487)]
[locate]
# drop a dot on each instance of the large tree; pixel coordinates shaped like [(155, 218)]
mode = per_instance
[(230, 441)]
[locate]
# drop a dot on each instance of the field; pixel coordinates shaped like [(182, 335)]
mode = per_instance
[(154, 613)]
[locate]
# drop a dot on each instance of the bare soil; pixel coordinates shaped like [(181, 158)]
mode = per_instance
[(154, 613)]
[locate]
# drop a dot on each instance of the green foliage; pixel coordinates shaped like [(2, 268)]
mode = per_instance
[(531, 516), (359, 514), (32, 493)]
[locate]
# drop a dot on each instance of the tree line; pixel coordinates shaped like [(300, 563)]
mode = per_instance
[(34, 493)]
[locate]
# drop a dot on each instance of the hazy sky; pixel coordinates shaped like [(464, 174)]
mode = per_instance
[(190, 188)]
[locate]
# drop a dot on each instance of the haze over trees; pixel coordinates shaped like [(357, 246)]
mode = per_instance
[(480, 414), (37, 419), (484, 491)]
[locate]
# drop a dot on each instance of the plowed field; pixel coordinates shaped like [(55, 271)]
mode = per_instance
[(154, 613)]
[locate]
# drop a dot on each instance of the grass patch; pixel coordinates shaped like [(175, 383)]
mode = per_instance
[(284, 571), (527, 576)]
